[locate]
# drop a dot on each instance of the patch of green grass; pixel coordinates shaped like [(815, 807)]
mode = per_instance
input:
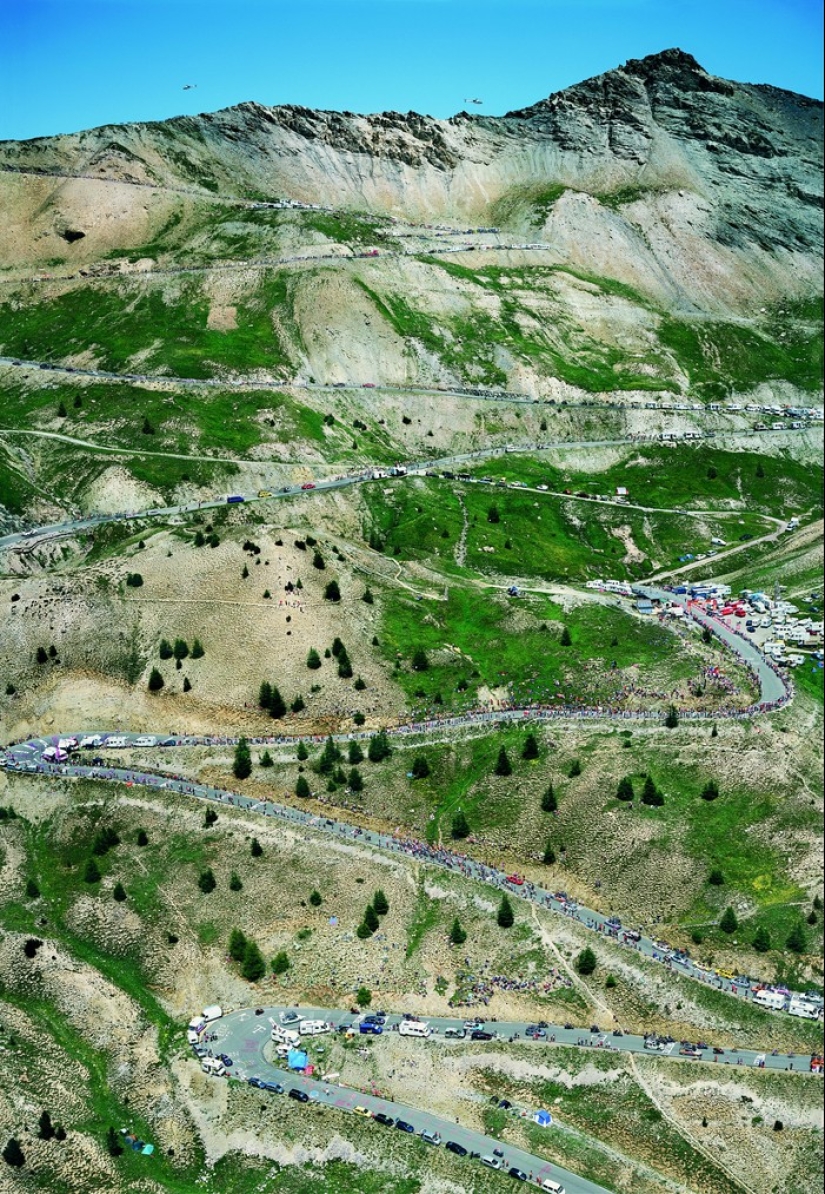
[(425, 918)]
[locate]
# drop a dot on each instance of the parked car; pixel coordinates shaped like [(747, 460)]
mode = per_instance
[(403, 1126), (300, 1096), (386, 1120), (491, 1162), (274, 1087), (478, 1034), (308, 485), (365, 1111), (458, 1149), (289, 1017), (517, 1173)]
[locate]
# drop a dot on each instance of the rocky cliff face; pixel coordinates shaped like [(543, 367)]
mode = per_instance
[(702, 193)]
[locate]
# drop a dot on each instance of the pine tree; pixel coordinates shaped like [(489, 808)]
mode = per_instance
[(237, 945), (505, 916), (180, 649), (379, 747), (459, 828), (710, 790), (371, 918), (113, 1145), (253, 966), (355, 781), (265, 694), (566, 639), (420, 662), (329, 757), (302, 754), (380, 903), (255, 848), (32, 890), (142, 837), (318, 561), (650, 793), (586, 961), (796, 940), (155, 680), (315, 899), (761, 940), (503, 765), (165, 649), (549, 856), (363, 931), (729, 923), (242, 764), (344, 666), (266, 760), (332, 592), (363, 997), (42, 657), (91, 873), (45, 1128), (197, 649), (531, 747), (280, 963), (302, 788), (672, 718), (277, 704), (420, 768), (235, 883), (119, 892), (187, 686), (457, 934), (207, 881), (298, 705), (549, 803), (625, 789), (313, 660), (575, 769), (368, 598), (13, 1154), (716, 877), (355, 754)]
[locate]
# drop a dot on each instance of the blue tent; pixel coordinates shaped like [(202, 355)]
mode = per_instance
[(543, 1118), (297, 1059)]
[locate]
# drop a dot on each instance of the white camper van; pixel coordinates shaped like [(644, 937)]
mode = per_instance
[(314, 1027), (414, 1028), (772, 1000), (213, 1066)]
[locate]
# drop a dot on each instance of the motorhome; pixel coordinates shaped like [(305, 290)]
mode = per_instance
[(285, 1036), (314, 1027), (414, 1028), (773, 1000), (804, 1008), (214, 1066)]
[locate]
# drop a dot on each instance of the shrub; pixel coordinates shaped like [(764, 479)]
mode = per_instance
[(566, 639), (187, 687), (313, 660), (420, 662), (302, 788), (315, 899), (318, 561), (142, 837), (298, 705), (651, 794), (105, 840), (459, 828), (420, 768), (672, 718), (358, 719), (235, 883), (363, 997), (716, 878), (549, 856), (134, 580), (332, 592), (610, 982), (586, 961), (575, 769), (165, 649), (119, 893), (368, 597), (45, 1129), (796, 940), (359, 685), (32, 890), (266, 760), (255, 848), (41, 655), (345, 667), (761, 940), (156, 680), (91, 872)]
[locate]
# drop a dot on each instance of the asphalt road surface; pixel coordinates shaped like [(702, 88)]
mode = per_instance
[(243, 1036), (28, 758)]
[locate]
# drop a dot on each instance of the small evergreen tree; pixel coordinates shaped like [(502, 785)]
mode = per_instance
[(586, 961), (266, 760), (710, 790), (355, 781), (716, 877), (207, 881), (503, 766), (165, 649), (355, 754), (459, 828), (235, 883), (255, 848), (330, 756), (625, 789), (566, 639), (371, 918), (242, 764), (420, 662), (187, 687), (265, 694), (113, 1145), (332, 592), (549, 803), (180, 649), (32, 890), (197, 649), (379, 747), (13, 1154), (315, 899), (530, 749), (575, 769), (420, 768), (761, 940), (549, 856), (363, 997), (302, 788), (302, 754), (119, 892), (380, 903), (253, 966), (280, 963), (650, 793), (42, 655), (368, 598), (505, 916), (277, 704), (672, 718), (45, 1128), (313, 660), (237, 945), (363, 931), (729, 923), (345, 668), (298, 705), (155, 680), (318, 561), (457, 934), (91, 872), (796, 940), (142, 837)]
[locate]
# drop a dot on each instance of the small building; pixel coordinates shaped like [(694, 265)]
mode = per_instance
[(644, 606), (621, 491)]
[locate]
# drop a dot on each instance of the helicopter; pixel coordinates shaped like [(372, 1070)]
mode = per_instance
[(189, 86), (473, 101)]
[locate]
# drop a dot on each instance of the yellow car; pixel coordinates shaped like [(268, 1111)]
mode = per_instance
[(725, 974), (262, 493), (359, 1110)]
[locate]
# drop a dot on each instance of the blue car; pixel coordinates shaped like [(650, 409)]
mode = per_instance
[(370, 1029)]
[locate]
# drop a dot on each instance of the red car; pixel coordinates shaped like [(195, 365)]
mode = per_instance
[(308, 485), (517, 879)]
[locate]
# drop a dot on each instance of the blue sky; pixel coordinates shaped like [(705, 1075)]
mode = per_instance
[(74, 64)]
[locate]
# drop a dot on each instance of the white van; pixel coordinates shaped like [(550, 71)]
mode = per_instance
[(212, 1013), (549, 1184), (213, 1066), (414, 1028), (313, 1027)]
